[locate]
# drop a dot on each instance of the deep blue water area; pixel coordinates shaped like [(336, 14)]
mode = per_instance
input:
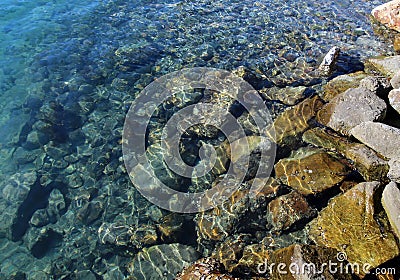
[(69, 71)]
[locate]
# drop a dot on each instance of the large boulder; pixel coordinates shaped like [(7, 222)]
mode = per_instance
[(289, 126), (387, 66), (352, 107), (388, 14), (394, 170), (382, 138), (365, 160), (161, 261), (391, 203), (349, 225), (394, 99), (342, 83), (310, 171)]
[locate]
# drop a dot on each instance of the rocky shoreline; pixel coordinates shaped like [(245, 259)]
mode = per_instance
[(71, 212), (356, 130)]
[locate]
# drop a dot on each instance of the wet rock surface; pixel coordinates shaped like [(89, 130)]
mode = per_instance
[(311, 171), (349, 225), (288, 127), (365, 160), (342, 83), (287, 210), (207, 268), (390, 201), (162, 261)]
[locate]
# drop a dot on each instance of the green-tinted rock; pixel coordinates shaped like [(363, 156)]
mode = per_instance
[(305, 262), (293, 122), (348, 224), (311, 172), (365, 160), (341, 84), (391, 203), (288, 95), (161, 261), (286, 210), (387, 66)]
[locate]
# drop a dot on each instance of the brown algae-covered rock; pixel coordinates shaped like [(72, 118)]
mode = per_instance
[(286, 210), (305, 262), (294, 121), (391, 203), (387, 66), (365, 160), (311, 171), (162, 261), (348, 224), (383, 138), (342, 83), (287, 95), (350, 108), (207, 268)]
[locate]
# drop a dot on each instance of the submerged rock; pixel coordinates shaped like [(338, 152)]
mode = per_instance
[(230, 251), (391, 203), (394, 99), (348, 224), (286, 210), (311, 171), (305, 262), (381, 137), (288, 95), (161, 261), (365, 160), (388, 14), (289, 126), (354, 106), (207, 268)]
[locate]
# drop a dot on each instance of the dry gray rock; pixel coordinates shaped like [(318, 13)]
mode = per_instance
[(351, 108), (395, 81), (391, 203), (380, 85), (388, 66), (328, 64), (394, 99), (394, 170), (382, 138)]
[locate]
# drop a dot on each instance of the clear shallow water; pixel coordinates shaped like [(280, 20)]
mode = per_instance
[(75, 66)]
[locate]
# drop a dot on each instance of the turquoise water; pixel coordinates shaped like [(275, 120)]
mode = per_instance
[(68, 73)]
